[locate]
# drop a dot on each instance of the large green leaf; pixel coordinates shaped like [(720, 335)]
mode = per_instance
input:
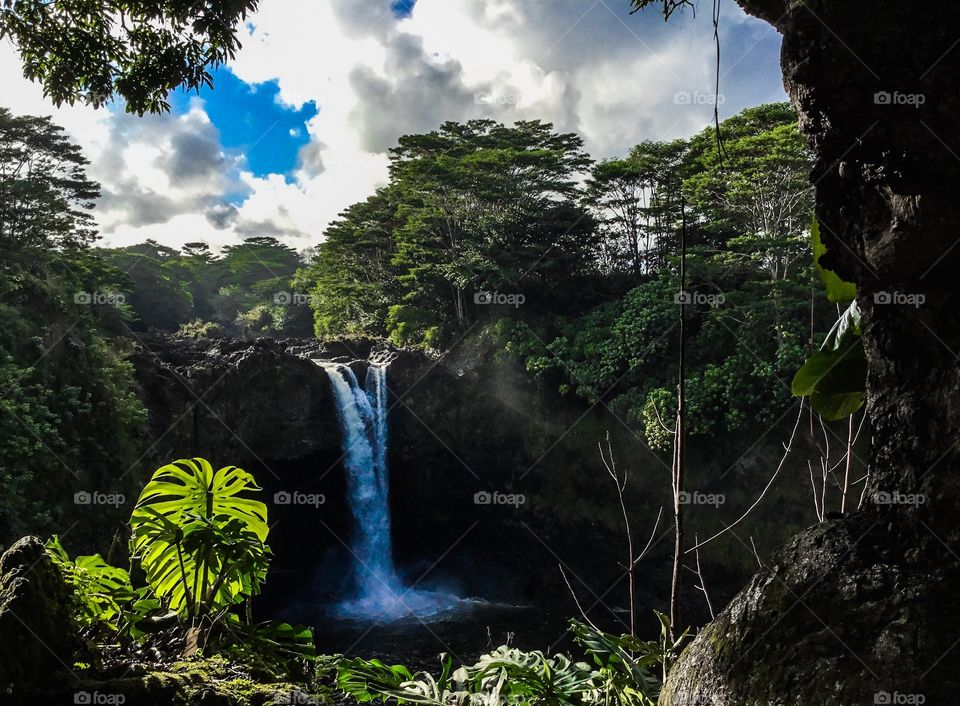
[(200, 541), (191, 486), (99, 589), (372, 680), (623, 663), (834, 378), (281, 640), (838, 290)]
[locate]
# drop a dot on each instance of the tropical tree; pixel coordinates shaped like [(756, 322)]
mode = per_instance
[(351, 280), (45, 195), (637, 204), (68, 410), (89, 50), (754, 196), (471, 208), (616, 190), (470, 193)]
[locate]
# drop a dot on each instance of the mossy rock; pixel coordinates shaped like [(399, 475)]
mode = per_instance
[(853, 611), (211, 681), (38, 637)]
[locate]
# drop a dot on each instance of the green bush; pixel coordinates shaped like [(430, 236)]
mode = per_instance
[(202, 329), (619, 676)]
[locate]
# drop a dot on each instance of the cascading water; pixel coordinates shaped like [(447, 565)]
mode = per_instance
[(362, 412)]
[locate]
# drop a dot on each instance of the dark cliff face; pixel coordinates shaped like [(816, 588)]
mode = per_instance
[(233, 401), (495, 480), (459, 427)]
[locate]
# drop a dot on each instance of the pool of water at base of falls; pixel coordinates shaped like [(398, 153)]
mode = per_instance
[(466, 631)]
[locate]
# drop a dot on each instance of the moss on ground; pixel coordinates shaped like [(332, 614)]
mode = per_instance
[(210, 681)]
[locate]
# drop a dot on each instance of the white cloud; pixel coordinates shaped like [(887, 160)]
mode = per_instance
[(590, 68)]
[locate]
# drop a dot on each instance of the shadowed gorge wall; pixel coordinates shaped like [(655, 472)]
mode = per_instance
[(460, 426)]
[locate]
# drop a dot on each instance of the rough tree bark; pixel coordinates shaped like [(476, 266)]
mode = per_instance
[(868, 605)]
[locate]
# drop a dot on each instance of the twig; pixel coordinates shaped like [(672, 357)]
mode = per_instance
[(846, 474), (813, 484), (576, 600), (750, 509), (703, 585), (611, 467), (755, 553), (652, 535)]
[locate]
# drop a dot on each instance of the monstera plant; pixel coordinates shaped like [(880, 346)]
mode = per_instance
[(200, 539), (100, 590)]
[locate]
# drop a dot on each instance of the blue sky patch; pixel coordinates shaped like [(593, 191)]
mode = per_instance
[(402, 8), (251, 121)]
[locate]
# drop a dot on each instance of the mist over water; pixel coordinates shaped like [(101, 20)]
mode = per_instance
[(362, 413)]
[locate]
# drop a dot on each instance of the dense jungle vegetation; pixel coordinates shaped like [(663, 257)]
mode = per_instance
[(693, 289), (505, 239), (513, 235)]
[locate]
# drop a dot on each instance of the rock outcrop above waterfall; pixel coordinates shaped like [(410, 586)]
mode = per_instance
[(252, 400), (234, 401)]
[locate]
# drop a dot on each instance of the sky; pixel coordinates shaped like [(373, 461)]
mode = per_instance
[(299, 125)]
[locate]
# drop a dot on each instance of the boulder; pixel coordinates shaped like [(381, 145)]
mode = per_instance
[(855, 611), (38, 637)]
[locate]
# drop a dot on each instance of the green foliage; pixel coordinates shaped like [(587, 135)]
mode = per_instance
[(68, 409), (45, 195), (471, 208), (621, 675), (281, 641), (87, 50), (756, 200), (99, 589), (199, 540), (480, 207), (636, 201), (834, 377), (351, 279), (659, 415), (201, 329), (625, 353), (837, 289), (246, 291), (200, 543), (506, 675)]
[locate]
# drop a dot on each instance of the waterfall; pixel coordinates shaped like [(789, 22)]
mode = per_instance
[(362, 413)]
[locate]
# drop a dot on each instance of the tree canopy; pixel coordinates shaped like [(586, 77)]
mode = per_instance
[(90, 50), (583, 259)]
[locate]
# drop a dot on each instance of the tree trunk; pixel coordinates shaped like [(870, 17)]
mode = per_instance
[(858, 608)]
